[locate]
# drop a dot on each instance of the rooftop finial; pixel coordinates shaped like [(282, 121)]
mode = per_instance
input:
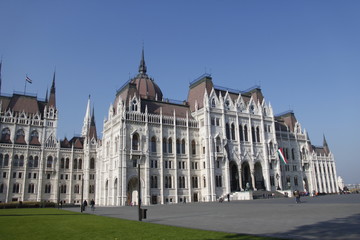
[(142, 67)]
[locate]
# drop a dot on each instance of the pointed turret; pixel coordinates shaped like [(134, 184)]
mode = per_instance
[(52, 102), (142, 67), (87, 120), (46, 96), (325, 145), (92, 131)]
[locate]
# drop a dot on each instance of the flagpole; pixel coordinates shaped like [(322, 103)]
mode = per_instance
[(25, 85)]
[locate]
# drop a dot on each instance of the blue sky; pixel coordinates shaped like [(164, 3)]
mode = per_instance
[(304, 54)]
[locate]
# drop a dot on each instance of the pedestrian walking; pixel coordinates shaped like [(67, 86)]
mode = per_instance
[(297, 196), (84, 205), (92, 204)]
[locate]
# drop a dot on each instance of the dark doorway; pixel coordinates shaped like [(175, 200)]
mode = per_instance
[(246, 176), (234, 177)]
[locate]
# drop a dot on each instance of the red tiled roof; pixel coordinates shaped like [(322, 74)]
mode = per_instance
[(167, 108)]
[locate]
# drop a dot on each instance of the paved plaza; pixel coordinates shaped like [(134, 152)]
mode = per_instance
[(323, 217)]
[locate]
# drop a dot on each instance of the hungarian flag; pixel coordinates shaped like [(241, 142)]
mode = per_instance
[(28, 79), (281, 155)]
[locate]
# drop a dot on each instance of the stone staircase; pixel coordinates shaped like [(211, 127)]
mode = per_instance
[(263, 194)]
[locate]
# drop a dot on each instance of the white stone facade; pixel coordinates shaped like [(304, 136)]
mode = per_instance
[(218, 142)]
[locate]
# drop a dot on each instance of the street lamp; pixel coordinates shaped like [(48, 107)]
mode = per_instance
[(82, 193), (139, 192)]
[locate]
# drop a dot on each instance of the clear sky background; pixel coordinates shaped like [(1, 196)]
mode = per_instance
[(304, 54)]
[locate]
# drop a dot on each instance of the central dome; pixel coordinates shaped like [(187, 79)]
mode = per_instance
[(146, 86)]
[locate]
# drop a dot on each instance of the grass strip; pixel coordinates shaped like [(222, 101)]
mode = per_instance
[(49, 223)]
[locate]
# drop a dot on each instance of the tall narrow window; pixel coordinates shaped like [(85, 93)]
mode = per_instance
[(193, 147), (183, 146), (75, 163), (227, 128), (232, 131), (21, 161), (241, 133), (164, 145), (218, 144), (62, 163), (92, 163), (80, 164), (253, 134), (178, 148), (67, 163), (153, 144), (246, 137), (257, 134), (16, 161), (170, 146), (135, 142)]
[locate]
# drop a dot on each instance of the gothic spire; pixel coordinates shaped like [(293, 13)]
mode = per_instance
[(325, 145), (46, 96), (52, 101), (92, 132), (142, 67), (87, 119)]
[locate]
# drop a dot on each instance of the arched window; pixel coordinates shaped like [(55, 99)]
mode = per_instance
[(67, 163), (34, 138), (246, 137), (1, 188), (1, 160), (296, 183), (193, 147), (16, 188), (293, 154), (166, 182), (178, 148), (257, 134), (21, 161), (20, 136), (183, 146), (134, 105), (63, 188), (75, 163), (164, 145), (6, 160), (80, 164), (170, 146), (92, 163), (241, 133), (62, 163), (271, 148), (232, 131), (227, 130), (218, 144), (253, 134), (16, 161), (36, 162), (135, 142), (76, 188), (31, 188), (213, 103), (153, 144), (204, 182), (5, 135), (49, 162)]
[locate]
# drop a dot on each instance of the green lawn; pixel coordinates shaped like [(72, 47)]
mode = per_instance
[(48, 223)]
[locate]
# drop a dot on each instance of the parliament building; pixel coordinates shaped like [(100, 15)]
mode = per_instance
[(219, 141)]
